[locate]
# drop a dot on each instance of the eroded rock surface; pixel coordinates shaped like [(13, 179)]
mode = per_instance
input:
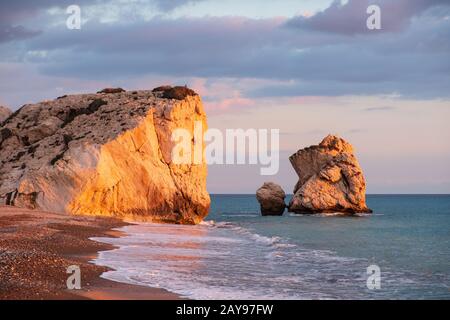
[(271, 199), (4, 113), (104, 154), (177, 92), (330, 179)]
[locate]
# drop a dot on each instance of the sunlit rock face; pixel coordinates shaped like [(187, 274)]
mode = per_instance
[(330, 179), (105, 154), (4, 113)]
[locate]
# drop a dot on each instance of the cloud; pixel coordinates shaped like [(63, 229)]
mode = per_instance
[(169, 5), (21, 10), (11, 33), (350, 18), (248, 48), (356, 131), (13, 14), (287, 61), (379, 109)]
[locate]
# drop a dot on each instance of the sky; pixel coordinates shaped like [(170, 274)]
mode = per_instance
[(308, 68)]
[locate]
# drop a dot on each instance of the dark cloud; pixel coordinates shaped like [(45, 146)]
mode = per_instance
[(350, 18), (19, 11), (11, 33), (195, 47), (314, 64), (292, 62), (14, 14)]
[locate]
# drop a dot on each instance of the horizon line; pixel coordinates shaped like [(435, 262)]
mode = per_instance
[(367, 194)]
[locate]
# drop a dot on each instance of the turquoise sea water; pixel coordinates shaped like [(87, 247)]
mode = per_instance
[(236, 253)]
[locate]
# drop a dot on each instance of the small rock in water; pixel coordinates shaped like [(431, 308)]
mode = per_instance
[(271, 199)]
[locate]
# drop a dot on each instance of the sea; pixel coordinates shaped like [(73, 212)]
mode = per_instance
[(401, 251)]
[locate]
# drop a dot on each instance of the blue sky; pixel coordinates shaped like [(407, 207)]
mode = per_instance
[(387, 90)]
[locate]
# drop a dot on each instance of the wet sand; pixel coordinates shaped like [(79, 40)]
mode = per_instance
[(36, 248)]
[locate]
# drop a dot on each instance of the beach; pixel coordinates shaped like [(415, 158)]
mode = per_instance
[(36, 247), (298, 256)]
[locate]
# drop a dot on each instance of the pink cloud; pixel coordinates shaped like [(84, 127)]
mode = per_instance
[(227, 104)]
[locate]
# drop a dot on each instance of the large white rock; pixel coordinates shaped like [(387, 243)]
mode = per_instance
[(330, 179), (104, 154)]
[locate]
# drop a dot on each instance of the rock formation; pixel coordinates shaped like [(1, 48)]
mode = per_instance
[(111, 90), (178, 92), (271, 199), (104, 154), (330, 179), (4, 113)]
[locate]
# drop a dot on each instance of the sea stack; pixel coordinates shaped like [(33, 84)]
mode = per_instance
[(106, 154), (330, 179), (271, 199)]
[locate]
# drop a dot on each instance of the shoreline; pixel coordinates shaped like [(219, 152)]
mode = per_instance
[(36, 247)]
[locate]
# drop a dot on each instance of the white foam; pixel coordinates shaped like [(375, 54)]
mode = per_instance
[(213, 260), (222, 260), (240, 215)]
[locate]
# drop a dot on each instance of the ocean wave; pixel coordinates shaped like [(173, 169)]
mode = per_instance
[(333, 214), (224, 260), (235, 215), (275, 240)]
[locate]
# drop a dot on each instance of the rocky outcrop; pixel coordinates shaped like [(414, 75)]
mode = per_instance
[(330, 179), (271, 199), (4, 113), (177, 92), (111, 90), (104, 154)]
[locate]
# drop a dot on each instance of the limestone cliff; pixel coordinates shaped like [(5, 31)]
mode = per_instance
[(4, 113), (104, 154), (330, 179)]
